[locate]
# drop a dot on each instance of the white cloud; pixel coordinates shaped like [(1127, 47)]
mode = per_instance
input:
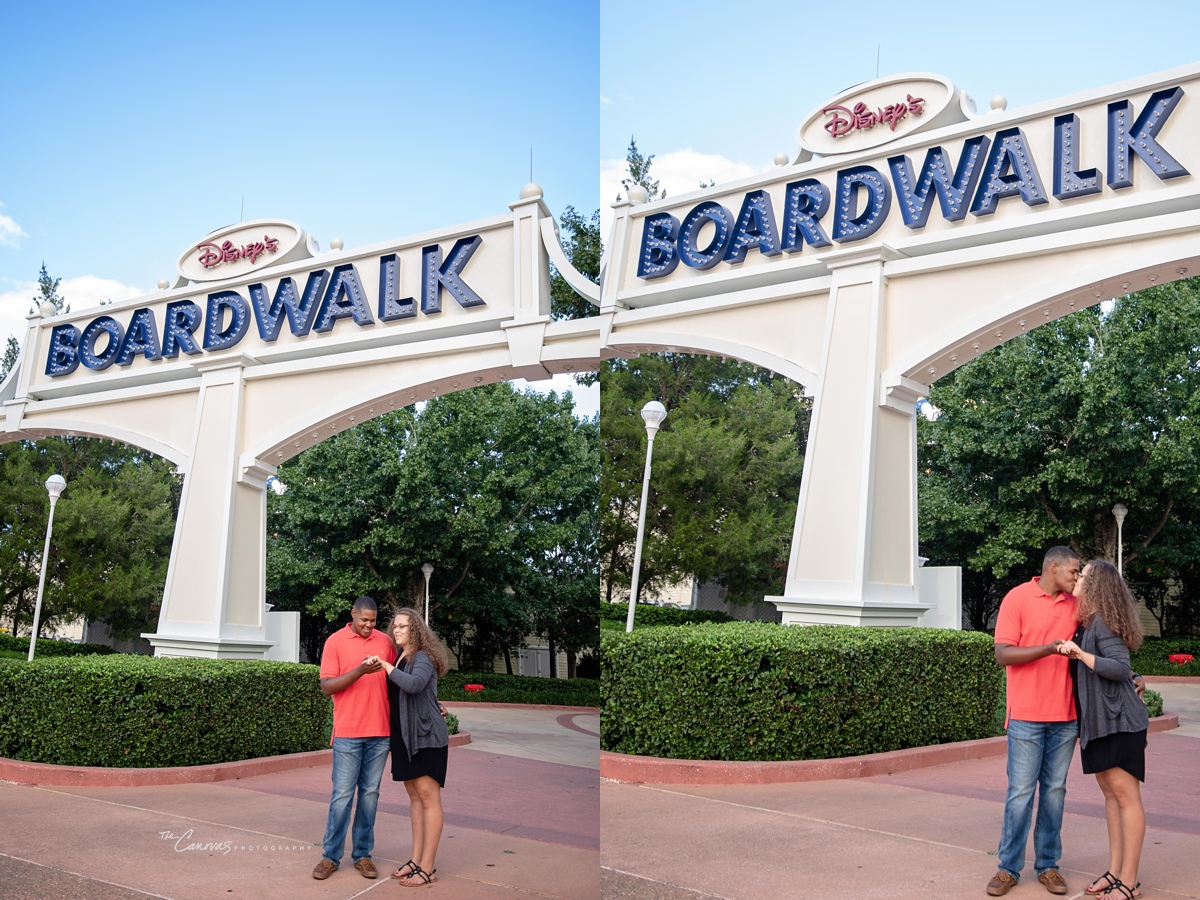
[(604, 101), (677, 172), (10, 232), (81, 293)]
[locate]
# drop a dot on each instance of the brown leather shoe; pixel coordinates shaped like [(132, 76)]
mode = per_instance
[(367, 868), (1053, 881), (324, 869), (1000, 884)]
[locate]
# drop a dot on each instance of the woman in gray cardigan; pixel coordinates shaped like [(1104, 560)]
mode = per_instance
[(1112, 718), (420, 740)]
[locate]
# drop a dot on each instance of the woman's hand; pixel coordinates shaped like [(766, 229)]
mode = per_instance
[(1069, 648)]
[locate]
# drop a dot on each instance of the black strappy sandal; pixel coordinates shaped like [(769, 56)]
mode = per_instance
[(400, 873), (417, 872), (1103, 889), (1121, 889)]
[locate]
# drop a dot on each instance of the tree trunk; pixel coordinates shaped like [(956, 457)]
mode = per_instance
[(570, 663), (553, 656), (507, 662)]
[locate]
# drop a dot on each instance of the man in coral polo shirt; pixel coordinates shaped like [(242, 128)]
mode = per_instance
[(360, 734), (1034, 619)]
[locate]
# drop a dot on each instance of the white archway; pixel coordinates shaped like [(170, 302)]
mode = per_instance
[(246, 361), (923, 234)]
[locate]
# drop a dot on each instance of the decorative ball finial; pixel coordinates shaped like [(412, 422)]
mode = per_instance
[(999, 102), (531, 191), (336, 244), (638, 194), (782, 159), (47, 309), (163, 284)]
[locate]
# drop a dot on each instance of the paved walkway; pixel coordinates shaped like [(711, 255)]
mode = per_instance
[(522, 820), (928, 833)]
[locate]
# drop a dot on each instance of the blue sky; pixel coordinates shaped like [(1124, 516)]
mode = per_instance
[(132, 129), (715, 93)]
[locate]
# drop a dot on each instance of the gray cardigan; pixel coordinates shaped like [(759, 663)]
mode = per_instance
[(421, 724), (1108, 701)]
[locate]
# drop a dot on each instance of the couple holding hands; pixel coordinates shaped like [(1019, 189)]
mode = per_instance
[(384, 692), (1065, 638)]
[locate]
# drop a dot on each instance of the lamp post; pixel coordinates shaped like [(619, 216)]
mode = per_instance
[(1120, 511), (652, 413), (55, 485), (427, 570)]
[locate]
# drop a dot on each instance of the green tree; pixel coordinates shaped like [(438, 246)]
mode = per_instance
[(581, 242), (1037, 440), (113, 529), (484, 484), (639, 172), (47, 293), (726, 472)]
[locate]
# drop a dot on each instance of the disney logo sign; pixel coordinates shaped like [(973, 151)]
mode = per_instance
[(844, 120), (212, 255)]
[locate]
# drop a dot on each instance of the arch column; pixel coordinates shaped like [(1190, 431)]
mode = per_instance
[(215, 594), (854, 549)]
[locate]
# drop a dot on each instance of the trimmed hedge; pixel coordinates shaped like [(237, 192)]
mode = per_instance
[(520, 689), (758, 691), (130, 711), (1154, 703), (50, 647), (648, 614), (1151, 657)]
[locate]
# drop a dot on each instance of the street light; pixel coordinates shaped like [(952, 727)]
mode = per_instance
[(652, 413), (427, 569), (1120, 511), (55, 485)]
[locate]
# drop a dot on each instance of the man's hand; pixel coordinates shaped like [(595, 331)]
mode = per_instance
[(1069, 648), (371, 664)]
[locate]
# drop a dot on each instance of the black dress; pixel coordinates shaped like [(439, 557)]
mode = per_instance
[(1120, 750), (431, 761)]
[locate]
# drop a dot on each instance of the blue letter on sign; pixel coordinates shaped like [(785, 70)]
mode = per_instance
[(438, 275), (1009, 171), (689, 232), (344, 297), (849, 227), (803, 205), (179, 324), (1140, 137), (87, 344), (658, 256), (1069, 183), (299, 310), (215, 337), (755, 228), (63, 358), (952, 193), (141, 338), (390, 308)]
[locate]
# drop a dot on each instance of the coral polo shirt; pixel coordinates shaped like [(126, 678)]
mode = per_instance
[(361, 710), (1038, 691)]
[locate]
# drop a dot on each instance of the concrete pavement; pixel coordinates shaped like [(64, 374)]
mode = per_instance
[(925, 833), (517, 825)]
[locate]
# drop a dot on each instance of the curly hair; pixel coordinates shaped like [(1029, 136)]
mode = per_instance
[(1107, 596), (423, 639)]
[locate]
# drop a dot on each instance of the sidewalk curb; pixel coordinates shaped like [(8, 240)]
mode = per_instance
[(653, 770), (480, 704), (49, 775)]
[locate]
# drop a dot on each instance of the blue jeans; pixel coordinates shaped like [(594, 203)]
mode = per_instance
[(1039, 755), (357, 763)]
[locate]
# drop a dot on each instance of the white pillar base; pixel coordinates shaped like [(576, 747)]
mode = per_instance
[(208, 648), (879, 613)]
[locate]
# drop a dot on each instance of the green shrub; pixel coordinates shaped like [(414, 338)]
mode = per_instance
[(648, 614), (130, 711), (48, 647), (1151, 657), (1154, 703), (451, 723), (520, 689), (754, 691)]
